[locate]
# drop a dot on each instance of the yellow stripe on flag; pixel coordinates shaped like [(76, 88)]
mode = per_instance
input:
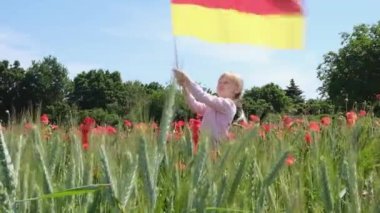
[(231, 26)]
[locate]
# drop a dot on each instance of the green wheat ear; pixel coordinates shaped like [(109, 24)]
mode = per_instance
[(20, 146), (130, 187), (36, 205), (144, 167), (40, 155), (7, 168), (107, 171), (5, 205), (269, 180), (326, 195), (167, 116)]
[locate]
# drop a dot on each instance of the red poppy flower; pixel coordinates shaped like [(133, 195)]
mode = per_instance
[(267, 127), (308, 138), (127, 123), (254, 118), (314, 126), (325, 120), (290, 160), (44, 119), (362, 113), (351, 118), (85, 128), (195, 125), (288, 121), (245, 124)]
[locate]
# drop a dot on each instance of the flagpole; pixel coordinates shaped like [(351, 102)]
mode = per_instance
[(175, 52), (176, 64)]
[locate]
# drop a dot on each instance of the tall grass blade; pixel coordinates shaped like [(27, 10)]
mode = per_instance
[(69, 192)]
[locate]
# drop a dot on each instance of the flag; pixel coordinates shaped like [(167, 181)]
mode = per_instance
[(272, 23)]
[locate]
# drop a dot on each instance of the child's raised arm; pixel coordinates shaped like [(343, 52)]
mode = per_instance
[(194, 105), (224, 105), (196, 94)]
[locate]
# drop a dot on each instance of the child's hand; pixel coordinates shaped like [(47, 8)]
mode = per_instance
[(181, 77)]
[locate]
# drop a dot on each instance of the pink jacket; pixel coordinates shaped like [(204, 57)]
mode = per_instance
[(217, 112)]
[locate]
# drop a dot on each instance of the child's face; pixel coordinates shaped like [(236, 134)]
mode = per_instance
[(227, 88)]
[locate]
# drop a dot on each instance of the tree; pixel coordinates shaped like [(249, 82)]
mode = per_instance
[(352, 74), (100, 89), (269, 96), (318, 106), (137, 100), (293, 92), (10, 79), (153, 86), (46, 82), (10, 89)]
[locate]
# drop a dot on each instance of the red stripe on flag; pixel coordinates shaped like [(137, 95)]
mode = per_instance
[(259, 7)]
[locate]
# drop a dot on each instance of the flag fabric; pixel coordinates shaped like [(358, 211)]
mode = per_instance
[(273, 23)]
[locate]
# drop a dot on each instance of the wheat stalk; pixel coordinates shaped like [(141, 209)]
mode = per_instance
[(237, 179), (107, 170), (130, 187), (326, 188), (40, 156), (36, 205), (150, 188), (268, 181), (166, 118), (5, 204), (8, 168), (18, 158)]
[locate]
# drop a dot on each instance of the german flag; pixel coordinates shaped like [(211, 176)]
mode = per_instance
[(273, 23)]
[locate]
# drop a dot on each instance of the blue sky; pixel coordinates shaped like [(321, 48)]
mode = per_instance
[(135, 38)]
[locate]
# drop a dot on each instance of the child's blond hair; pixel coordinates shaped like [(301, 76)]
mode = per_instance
[(237, 80), (240, 115)]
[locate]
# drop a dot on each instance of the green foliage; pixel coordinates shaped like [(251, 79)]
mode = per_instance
[(98, 89), (61, 112), (293, 92), (10, 86), (156, 106), (45, 83), (268, 97), (318, 106), (101, 116), (352, 73)]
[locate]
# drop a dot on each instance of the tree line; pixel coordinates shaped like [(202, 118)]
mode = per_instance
[(350, 80)]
